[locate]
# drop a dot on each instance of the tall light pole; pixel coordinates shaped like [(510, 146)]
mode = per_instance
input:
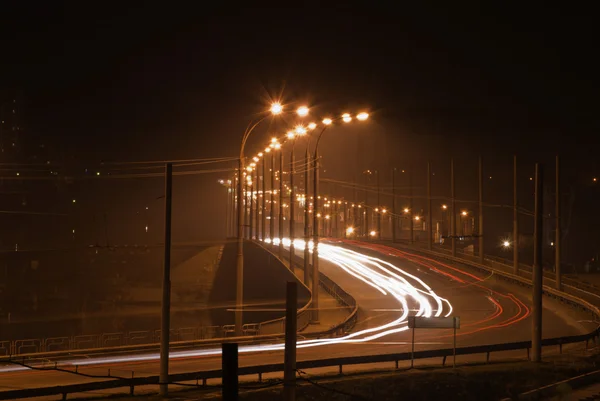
[(293, 135), (276, 108), (429, 211), (263, 217), (394, 205), (481, 253), (272, 198), (315, 280), (557, 239), (515, 220), (280, 205), (452, 209), (306, 220), (378, 207)]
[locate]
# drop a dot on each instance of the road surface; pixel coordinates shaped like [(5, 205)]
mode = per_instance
[(388, 285)]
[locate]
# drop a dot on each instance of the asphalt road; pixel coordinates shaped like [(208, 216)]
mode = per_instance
[(491, 311)]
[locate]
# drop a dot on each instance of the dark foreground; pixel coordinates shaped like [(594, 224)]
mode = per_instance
[(467, 382)]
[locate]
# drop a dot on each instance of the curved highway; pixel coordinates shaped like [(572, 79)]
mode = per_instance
[(388, 285)]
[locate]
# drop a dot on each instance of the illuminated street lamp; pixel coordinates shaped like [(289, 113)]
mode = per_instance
[(506, 244), (346, 117), (302, 111), (349, 230), (327, 121), (276, 108), (312, 126), (373, 233), (362, 116)]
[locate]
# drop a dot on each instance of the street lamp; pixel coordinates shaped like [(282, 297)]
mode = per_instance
[(293, 135), (302, 111), (276, 108), (315, 280)]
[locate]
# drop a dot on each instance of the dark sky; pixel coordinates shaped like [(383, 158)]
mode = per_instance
[(143, 76), (152, 81)]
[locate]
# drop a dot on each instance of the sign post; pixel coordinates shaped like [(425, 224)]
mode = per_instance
[(421, 322)]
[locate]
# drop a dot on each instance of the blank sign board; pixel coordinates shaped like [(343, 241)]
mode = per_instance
[(420, 322)]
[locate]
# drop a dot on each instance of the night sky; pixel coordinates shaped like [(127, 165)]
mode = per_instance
[(132, 81)]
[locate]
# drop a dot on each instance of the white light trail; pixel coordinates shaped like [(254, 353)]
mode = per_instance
[(390, 280)]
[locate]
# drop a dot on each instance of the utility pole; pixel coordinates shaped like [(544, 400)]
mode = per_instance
[(280, 204), (453, 208), (315, 275), (410, 206), (289, 356), (536, 326), (481, 253), (367, 232), (429, 211), (272, 219), (165, 321), (515, 220), (557, 259), (378, 207), (306, 221), (263, 217), (247, 210), (292, 208), (394, 205), (251, 203), (239, 271)]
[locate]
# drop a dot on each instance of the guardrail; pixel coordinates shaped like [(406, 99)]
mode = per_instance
[(259, 370), (148, 340)]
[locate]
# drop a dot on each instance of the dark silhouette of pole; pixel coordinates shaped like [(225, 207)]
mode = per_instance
[(394, 204), (410, 206), (481, 253), (557, 239), (366, 212), (515, 220), (378, 207), (306, 221), (263, 216), (429, 211), (280, 204), (453, 209), (315, 278), (246, 210), (272, 219), (536, 335), (165, 321), (229, 367), (289, 357), (292, 207), (251, 203)]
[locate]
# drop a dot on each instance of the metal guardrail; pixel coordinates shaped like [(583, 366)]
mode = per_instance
[(259, 370)]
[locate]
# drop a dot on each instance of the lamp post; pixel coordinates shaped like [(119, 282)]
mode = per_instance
[(293, 135), (315, 280), (276, 108)]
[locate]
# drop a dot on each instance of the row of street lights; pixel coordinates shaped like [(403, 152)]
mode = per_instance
[(275, 144)]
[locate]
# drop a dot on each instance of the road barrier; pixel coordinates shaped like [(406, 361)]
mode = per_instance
[(259, 370)]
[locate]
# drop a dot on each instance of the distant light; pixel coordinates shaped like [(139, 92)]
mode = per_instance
[(362, 116), (327, 217), (73, 231), (346, 117), (373, 233), (97, 173), (327, 121), (255, 158), (376, 209), (146, 228), (300, 130), (290, 134), (349, 230), (74, 200), (595, 179), (248, 168), (267, 150), (444, 207), (312, 126), (276, 108), (251, 165), (530, 178), (302, 111), (417, 218), (18, 174), (384, 211), (551, 243), (464, 213), (277, 145), (506, 244), (405, 210)]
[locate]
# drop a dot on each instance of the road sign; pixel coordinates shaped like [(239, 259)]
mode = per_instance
[(421, 322)]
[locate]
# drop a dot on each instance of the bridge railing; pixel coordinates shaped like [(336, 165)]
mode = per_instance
[(259, 370)]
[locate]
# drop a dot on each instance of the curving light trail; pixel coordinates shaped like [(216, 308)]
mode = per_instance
[(409, 291)]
